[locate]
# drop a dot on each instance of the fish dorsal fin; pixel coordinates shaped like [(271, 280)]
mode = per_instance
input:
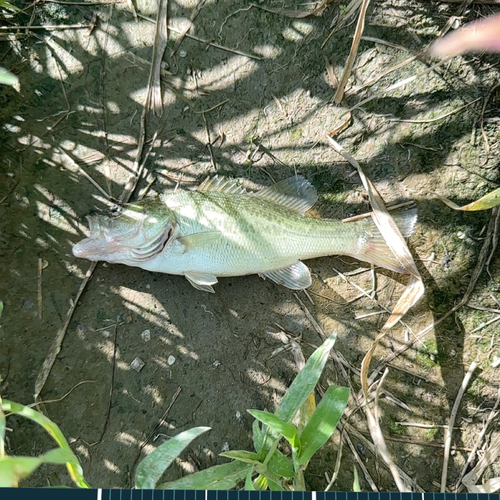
[(295, 193), (221, 185)]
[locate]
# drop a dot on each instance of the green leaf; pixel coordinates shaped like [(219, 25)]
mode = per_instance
[(263, 470), (274, 486), (8, 5), (258, 436), (248, 481), (305, 381), (1, 308), (280, 465), (13, 469), (355, 485), (7, 78), (2, 431), (60, 456), (73, 466), (301, 387), (260, 483), (242, 455), (489, 200), (288, 431), (323, 422), (154, 465), (219, 477)]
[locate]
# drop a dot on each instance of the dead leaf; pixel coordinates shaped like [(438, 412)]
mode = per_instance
[(489, 200)]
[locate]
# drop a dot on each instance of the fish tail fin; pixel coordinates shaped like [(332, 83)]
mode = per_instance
[(372, 246)]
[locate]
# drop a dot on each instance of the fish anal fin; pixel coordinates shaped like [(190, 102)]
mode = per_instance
[(201, 281), (197, 240), (295, 193), (295, 277), (221, 185)]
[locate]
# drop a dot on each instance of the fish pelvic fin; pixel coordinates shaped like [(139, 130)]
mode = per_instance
[(373, 248), (295, 277), (201, 281), (295, 193)]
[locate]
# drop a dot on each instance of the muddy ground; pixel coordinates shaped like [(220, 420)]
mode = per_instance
[(266, 111)]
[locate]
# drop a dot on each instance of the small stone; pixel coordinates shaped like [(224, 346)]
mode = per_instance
[(146, 335), (171, 360), (216, 363), (496, 362), (137, 364)]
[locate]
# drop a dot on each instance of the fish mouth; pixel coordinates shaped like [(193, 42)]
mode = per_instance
[(131, 247)]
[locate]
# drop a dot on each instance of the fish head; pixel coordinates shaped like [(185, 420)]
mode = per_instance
[(139, 232)]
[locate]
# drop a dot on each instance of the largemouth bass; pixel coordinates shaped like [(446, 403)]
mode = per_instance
[(222, 230)]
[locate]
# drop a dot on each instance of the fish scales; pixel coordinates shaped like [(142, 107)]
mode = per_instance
[(256, 235), (221, 230)]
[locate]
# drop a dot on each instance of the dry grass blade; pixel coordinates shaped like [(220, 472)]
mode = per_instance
[(352, 54), (75, 165), (488, 201), (154, 101), (382, 218), (56, 344), (478, 442), (296, 14), (347, 118), (489, 457), (451, 423), (410, 296), (183, 33)]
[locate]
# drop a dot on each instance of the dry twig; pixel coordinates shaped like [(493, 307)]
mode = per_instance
[(153, 100), (451, 423), (56, 344), (352, 54), (478, 443)]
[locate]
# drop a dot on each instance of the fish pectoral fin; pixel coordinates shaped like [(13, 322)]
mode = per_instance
[(201, 281), (295, 193), (295, 277), (197, 240)]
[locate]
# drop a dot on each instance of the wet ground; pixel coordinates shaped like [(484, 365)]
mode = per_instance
[(254, 103)]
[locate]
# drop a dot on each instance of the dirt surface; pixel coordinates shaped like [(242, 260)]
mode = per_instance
[(77, 113)]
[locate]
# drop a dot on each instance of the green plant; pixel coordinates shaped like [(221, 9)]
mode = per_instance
[(7, 78), (13, 469), (7, 5), (271, 467)]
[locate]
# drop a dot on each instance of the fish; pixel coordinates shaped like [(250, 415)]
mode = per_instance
[(222, 230)]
